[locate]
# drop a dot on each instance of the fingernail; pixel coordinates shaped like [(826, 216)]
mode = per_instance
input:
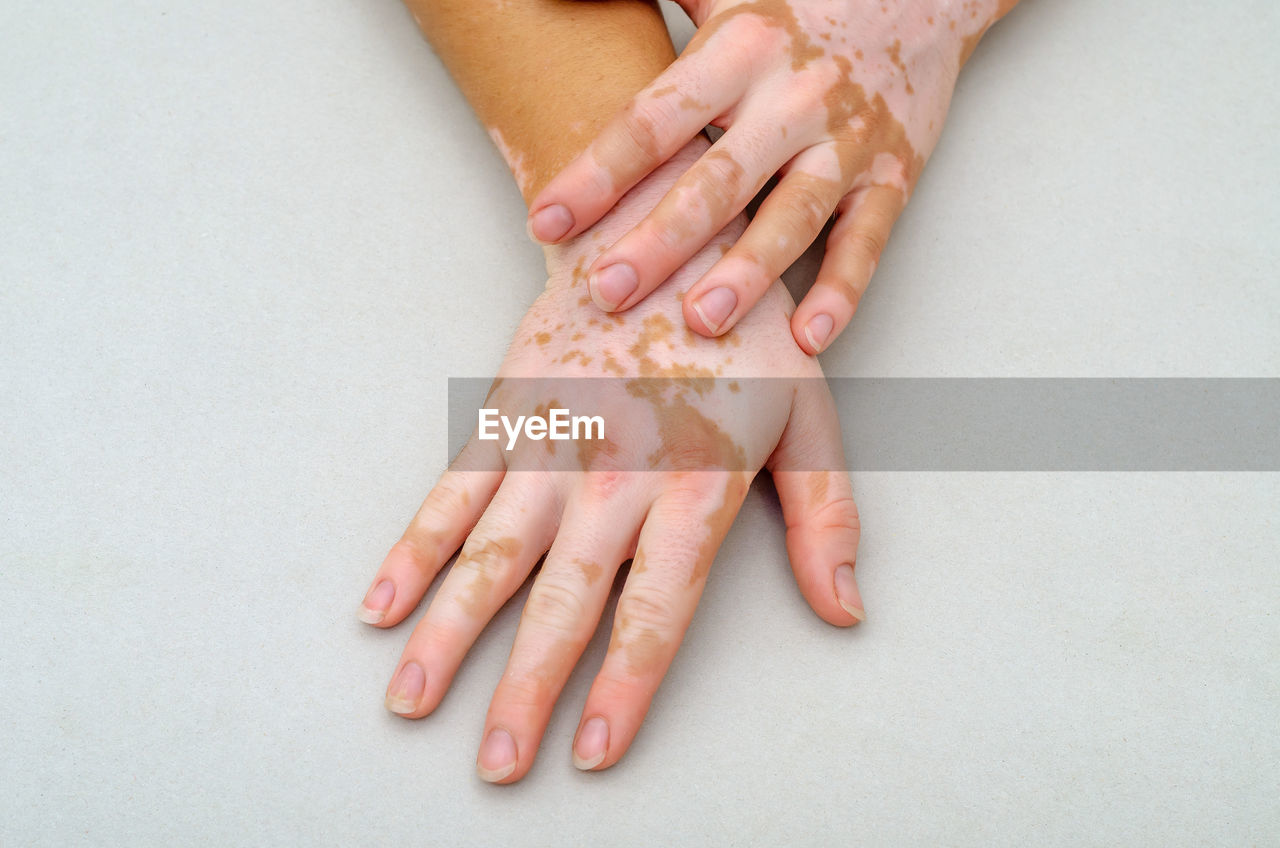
[(613, 284), (714, 307), (405, 690), (847, 592), (375, 605), (550, 223), (588, 751), (497, 756), (817, 330)]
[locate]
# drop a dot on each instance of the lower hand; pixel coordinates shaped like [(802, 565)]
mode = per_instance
[(665, 490)]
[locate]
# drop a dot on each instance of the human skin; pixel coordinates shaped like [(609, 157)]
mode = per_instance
[(670, 507), (844, 99)]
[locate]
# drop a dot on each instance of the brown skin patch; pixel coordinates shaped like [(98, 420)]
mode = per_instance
[(546, 678), (688, 440), (718, 524), (424, 551), (485, 558), (590, 571), (542, 337), (895, 56), (659, 329), (543, 410), (808, 195), (590, 450), (865, 128), (730, 339), (718, 188), (818, 483), (646, 652)]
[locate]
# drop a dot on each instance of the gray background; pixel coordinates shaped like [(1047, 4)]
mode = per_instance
[(245, 244)]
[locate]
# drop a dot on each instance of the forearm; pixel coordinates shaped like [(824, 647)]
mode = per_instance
[(544, 75)]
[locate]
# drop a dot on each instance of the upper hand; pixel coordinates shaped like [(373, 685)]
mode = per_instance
[(843, 98)]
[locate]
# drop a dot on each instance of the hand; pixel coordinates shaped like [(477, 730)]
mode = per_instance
[(844, 98), (664, 488)]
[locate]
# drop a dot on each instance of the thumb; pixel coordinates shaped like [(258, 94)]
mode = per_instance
[(813, 486)]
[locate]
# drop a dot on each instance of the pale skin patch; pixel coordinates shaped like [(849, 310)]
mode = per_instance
[(515, 160)]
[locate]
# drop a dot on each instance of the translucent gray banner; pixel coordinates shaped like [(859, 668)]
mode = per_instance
[(887, 424)]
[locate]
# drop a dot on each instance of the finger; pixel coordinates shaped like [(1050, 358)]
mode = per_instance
[(853, 251), (677, 545), (449, 512), (514, 532), (562, 613), (787, 222), (656, 123), (808, 469), (699, 205)]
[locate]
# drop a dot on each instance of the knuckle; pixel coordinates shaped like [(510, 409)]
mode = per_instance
[(522, 689), (423, 552), (867, 243), (753, 256), (601, 484), (807, 101), (694, 454), (481, 554), (646, 607), (808, 205), (449, 494), (406, 549), (555, 604), (718, 172), (643, 122), (840, 513), (670, 227), (472, 571), (752, 33)]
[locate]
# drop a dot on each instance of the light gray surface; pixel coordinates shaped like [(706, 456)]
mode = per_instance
[(243, 246)]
